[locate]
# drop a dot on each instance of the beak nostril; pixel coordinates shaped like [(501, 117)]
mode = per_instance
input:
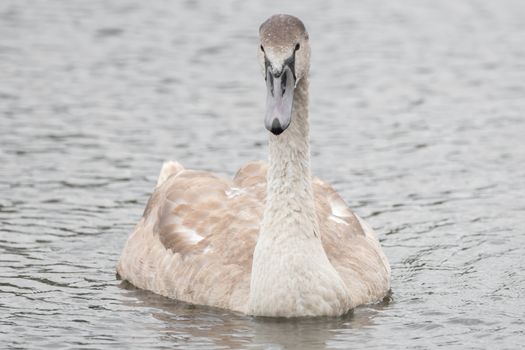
[(283, 83), (271, 84)]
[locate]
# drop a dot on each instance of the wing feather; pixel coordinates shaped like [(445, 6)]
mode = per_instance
[(196, 239)]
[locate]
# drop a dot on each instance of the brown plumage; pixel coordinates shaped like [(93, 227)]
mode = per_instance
[(196, 238)]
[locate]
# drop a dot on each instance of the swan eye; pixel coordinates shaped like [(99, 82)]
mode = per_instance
[(262, 48), (297, 46)]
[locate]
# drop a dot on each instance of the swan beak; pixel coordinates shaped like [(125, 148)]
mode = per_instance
[(279, 100)]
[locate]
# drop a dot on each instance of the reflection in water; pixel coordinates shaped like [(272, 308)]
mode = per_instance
[(223, 329)]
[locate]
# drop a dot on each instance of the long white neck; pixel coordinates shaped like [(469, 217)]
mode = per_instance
[(289, 191), (291, 273)]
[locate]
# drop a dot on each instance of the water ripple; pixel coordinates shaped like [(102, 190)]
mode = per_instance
[(417, 120)]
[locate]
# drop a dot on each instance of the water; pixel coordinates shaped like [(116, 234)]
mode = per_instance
[(417, 112)]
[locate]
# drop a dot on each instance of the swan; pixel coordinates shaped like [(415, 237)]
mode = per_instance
[(274, 241)]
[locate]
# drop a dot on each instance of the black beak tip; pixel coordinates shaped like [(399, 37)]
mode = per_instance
[(276, 128)]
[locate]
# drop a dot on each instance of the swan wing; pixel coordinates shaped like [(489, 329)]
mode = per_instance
[(351, 246), (196, 238)]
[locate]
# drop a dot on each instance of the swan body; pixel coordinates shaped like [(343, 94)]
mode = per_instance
[(271, 242)]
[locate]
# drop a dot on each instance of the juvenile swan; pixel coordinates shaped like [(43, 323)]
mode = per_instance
[(273, 241)]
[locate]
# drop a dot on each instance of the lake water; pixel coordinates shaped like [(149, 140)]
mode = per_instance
[(418, 119)]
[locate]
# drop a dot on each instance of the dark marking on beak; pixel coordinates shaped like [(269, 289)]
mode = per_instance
[(276, 128), (270, 83), (283, 83)]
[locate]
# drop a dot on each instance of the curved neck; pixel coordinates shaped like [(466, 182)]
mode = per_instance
[(290, 270), (289, 192)]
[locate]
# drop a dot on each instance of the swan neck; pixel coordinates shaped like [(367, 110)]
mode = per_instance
[(290, 270), (289, 156), (289, 192)]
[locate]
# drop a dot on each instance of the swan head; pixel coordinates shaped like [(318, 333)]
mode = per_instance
[(284, 57)]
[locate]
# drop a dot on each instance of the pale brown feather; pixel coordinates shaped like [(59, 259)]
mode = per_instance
[(196, 239)]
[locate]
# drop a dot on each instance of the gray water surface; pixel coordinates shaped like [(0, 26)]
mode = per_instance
[(418, 120)]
